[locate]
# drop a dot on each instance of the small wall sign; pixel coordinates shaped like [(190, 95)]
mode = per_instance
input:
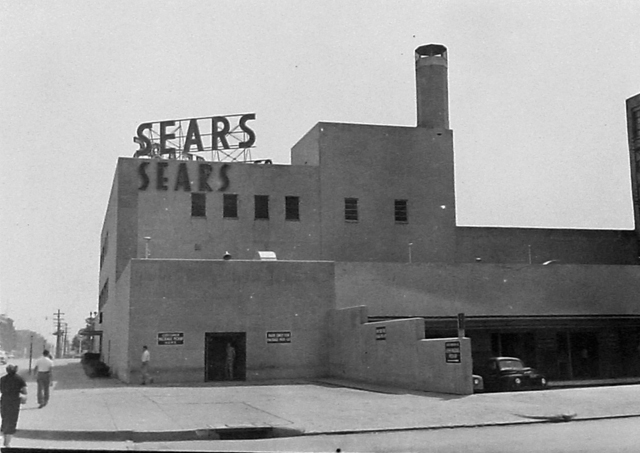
[(381, 333), (170, 338), (279, 337), (452, 351)]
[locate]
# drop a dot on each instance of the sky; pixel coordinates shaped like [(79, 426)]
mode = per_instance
[(537, 94)]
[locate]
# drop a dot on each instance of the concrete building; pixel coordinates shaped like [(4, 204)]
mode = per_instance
[(363, 216)]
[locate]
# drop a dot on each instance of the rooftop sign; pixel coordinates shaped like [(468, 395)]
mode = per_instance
[(186, 138)]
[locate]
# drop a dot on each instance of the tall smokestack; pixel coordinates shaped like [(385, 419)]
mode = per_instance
[(431, 86)]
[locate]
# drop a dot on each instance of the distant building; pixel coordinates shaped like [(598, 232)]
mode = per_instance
[(364, 215), (7, 334)]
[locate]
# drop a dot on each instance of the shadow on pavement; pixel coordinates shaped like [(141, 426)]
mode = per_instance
[(69, 375)]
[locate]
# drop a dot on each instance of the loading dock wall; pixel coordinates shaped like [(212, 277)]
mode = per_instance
[(403, 358)]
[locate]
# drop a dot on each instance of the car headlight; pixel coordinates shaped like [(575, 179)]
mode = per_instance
[(543, 381), (517, 381), (476, 381)]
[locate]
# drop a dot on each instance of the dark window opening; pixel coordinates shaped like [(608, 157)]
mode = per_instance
[(104, 295), (401, 211), (351, 209), (198, 205), (230, 206), (103, 251), (292, 208), (261, 206)]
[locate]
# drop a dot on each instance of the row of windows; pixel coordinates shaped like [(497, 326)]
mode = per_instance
[(291, 208), (230, 206)]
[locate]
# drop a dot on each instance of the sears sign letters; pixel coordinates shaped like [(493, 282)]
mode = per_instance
[(195, 135)]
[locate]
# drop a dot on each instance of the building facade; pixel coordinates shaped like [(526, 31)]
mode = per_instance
[(371, 209)]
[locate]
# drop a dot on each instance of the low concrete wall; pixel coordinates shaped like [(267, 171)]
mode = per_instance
[(396, 353)]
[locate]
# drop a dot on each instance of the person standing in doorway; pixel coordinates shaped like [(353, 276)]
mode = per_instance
[(14, 393), (144, 368), (229, 362), (44, 372)]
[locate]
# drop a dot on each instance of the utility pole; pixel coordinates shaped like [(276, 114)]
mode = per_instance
[(58, 333), (65, 345), (30, 353)]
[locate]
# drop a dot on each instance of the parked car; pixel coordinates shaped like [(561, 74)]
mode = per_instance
[(478, 383), (509, 374)]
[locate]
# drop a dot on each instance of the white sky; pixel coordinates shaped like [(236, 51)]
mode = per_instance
[(537, 103)]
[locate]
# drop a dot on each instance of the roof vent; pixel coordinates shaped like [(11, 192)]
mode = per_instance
[(265, 255)]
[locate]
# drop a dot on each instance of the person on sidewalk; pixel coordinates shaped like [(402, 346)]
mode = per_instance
[(144, 368), (14, 393), (44, 372), (229, 362)]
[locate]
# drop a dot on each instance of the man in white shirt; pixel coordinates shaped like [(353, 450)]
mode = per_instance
[(44, 370), (144, 368)]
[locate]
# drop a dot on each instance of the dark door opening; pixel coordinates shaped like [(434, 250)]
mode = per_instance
[(517, 344), (584, 355), (225, 356)]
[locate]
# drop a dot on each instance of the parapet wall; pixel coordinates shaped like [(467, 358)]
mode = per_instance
[(396, 353)]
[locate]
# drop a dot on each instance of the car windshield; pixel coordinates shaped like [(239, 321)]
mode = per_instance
[(510, 364)]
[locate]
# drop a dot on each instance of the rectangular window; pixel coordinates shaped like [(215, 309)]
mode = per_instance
[(292, 208), (230, 206), (351, 209), (198, 205), (104, 295), (401, 211), (103, 251), (261, 206)]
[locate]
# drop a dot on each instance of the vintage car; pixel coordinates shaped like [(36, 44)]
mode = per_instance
[(509, 374)]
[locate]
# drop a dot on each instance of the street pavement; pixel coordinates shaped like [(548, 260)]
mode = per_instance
[(103, 413)]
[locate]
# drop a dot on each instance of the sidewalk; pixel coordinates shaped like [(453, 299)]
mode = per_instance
[(110, 415)]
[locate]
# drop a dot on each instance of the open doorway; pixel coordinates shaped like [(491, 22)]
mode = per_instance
[(584, 354), (225, 356)]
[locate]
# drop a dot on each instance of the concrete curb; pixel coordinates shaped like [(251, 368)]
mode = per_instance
[(230, 433), (269, 432)]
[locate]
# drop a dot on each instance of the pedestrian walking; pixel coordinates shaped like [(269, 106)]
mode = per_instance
[(44, 370), (14, 393), (229, 362), (144, 368)]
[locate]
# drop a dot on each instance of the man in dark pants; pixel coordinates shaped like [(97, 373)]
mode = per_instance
[(44, 370)]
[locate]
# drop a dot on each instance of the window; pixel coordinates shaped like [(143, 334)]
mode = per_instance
[(103, 251), (104, 295), (292, 208), (401, 211), (261, 206), (198, 205), (230, 206), (351, 209)]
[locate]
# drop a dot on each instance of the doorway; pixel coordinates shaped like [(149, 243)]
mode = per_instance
[(584, 354), (222, 345), (577, 354), (515, 344)]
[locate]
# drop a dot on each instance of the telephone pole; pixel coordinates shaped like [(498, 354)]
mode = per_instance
[(57, 319)]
